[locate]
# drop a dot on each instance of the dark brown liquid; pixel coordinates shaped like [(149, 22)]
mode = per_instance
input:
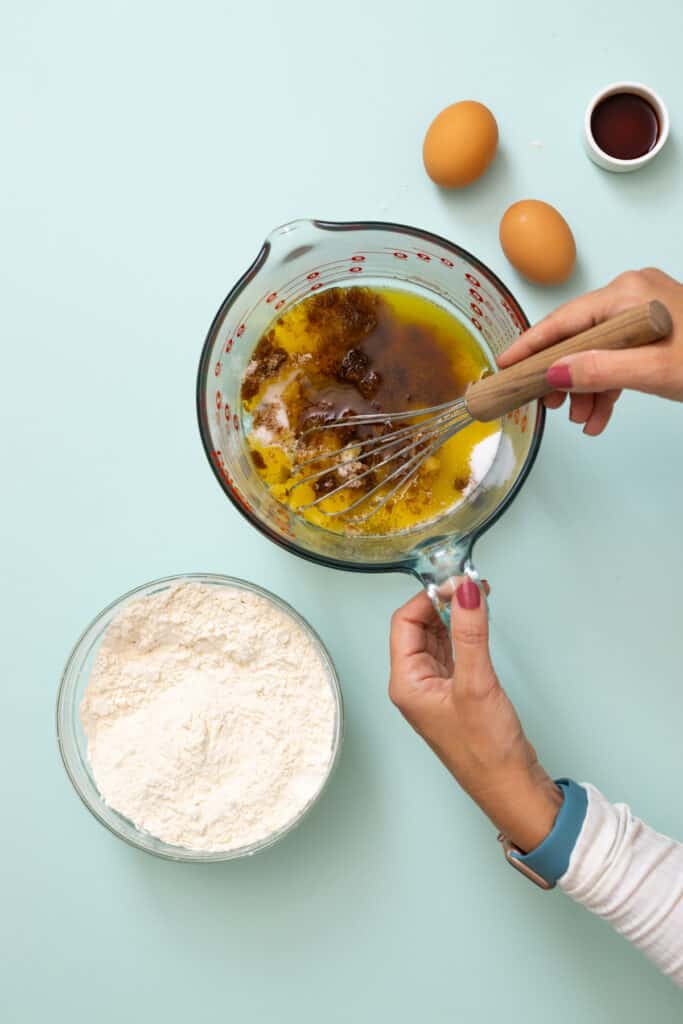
[(411, 368), (625, 126), (367, 354)]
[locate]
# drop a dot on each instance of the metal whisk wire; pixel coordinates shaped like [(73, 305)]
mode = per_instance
[(436, 424)]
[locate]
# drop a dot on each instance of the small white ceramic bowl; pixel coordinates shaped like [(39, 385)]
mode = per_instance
[(611, 163)]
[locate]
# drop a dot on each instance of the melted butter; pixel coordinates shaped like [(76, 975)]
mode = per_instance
[(419, 354)]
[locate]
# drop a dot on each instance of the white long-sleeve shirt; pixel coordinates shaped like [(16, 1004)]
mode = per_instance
[(630, 875)]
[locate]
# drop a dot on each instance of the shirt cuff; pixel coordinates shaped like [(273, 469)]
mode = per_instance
[(550, 860)]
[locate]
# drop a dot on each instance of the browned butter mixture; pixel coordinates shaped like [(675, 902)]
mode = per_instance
[(358, 350)]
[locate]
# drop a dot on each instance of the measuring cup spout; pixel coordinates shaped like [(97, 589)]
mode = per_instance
[(293, 240)]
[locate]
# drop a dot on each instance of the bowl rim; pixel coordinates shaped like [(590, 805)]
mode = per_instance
[(167, 850), (406, 565)]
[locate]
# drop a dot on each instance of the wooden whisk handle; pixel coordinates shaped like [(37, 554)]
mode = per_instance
[(494, 396)]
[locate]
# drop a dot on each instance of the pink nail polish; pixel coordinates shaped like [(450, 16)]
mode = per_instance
[(468, 595), (559, 377)]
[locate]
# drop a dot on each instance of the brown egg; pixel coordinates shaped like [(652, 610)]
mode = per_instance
[(460, 144), (538, 241)]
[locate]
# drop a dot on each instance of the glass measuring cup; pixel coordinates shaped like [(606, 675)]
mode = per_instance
[(298, 259)]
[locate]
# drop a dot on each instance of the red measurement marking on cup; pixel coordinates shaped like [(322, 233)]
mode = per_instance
[(313, 275), (525, 422), (446, 263), (218, 456), (424, 257), (476, 322), (217, 369), (475, 309), (226, 413), (271, 298), (235, 422), (515, 314), (240, 330), (314, 287), (476, 296), (228, 345), (282, 520), (401, 255), (225, 476), (219, 399), (355, 270), (472, 280), (280, 304), (358, 259)]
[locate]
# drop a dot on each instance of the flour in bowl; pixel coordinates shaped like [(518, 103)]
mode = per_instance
[(210, 716)]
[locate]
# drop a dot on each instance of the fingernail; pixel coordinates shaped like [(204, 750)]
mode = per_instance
[(559, 377), (468, 595)]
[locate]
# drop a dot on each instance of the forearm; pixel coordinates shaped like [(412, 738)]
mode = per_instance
[(630, 875)]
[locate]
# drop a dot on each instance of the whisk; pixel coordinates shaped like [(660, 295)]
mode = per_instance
[(400, 453)]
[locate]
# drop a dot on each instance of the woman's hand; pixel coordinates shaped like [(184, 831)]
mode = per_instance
[(596, 379), (460, 709)]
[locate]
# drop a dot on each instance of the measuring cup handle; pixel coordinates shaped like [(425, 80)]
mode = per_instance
[(436, 569), (442, 595)]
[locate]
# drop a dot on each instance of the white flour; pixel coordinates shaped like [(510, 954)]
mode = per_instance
[(209, 716)]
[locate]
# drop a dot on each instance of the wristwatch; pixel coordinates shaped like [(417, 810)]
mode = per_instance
[(549, 861), (513, 856)]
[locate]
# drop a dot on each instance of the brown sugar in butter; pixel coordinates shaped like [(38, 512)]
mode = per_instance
[(358, 350)]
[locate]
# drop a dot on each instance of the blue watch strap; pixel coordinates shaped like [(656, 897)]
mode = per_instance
[(550, 860)]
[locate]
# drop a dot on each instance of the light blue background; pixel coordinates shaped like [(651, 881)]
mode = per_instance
[(147, 148)]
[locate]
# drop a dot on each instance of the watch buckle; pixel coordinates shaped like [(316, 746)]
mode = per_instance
[(510, 851)]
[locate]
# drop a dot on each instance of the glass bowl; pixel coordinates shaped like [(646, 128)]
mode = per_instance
[(73, 744)]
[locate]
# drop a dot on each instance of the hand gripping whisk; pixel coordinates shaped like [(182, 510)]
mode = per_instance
[(398, 455)]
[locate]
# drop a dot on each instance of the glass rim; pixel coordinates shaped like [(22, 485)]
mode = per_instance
[(139, 840)]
